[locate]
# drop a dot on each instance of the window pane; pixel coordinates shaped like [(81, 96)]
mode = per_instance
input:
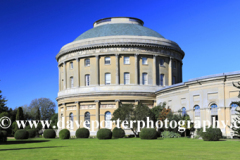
[(197, 111), (174, 80), (87, 118), (144, 60), (71, 79), (214, 110), (184, 112), (107, 78), (108, 119), (87, 62), (71, 65), (144, 79), (87, 80), (161, 79), (161, 62), (107, 60), (126, 60), (126, 78), (233, 108)]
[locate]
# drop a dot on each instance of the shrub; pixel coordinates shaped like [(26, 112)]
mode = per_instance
[(168, 134), (148, 133), (49, 133), (64, 134), (21, 134), (212, 134), (82, 133), (118, 132), (104, 133), (3, 136), (31, 133)]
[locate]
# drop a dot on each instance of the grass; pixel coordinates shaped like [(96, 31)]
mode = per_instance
[(126, 148)]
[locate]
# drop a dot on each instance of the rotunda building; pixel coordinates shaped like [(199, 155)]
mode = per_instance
[(117, 61)]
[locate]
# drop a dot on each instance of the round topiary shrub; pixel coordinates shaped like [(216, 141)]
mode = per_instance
[(148, 133), (21, 134), (64, 134), (82, 133), (211, 134), (49, 133), (118, 132), (31, 133), (104, 133)]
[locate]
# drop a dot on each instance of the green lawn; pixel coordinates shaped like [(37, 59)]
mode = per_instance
[(127, 148)]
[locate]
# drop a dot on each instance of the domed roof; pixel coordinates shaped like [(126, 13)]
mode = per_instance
[(118, 26)]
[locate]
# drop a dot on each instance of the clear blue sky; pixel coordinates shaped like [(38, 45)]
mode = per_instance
[(33, 31)]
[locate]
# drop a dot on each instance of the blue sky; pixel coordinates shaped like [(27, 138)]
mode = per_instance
[(32, 33)]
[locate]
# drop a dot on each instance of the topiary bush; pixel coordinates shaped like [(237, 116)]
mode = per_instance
[(104, 133), (211, 134), (21, 134), (3, 136), (49, 133), (64, 134), (31, 133), (148, 133), (82, 133), (168, 134), (118, 132)]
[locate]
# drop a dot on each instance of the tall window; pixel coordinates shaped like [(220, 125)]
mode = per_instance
[(161, 62), (87, 118), (107, 60), (108, 119), (126, 78), (144, 60), (214, 113), (184, 112), (126, 60), (144, 79), (197, 111), (233, 108), (71, 81), (87, 62), (71, 65), (71, 120), (161, 79), (107, 78), (173, 80), (174, 64), (87, 79)]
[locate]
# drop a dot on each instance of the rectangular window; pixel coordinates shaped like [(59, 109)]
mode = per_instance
[(71, 80), (161, 62), (107, 78), (144, 60), (126, 78), (87, 79), (144, 79), (71, 65), (107, 60), (87, 62), (161, 79), (126, 60), (173, 80)]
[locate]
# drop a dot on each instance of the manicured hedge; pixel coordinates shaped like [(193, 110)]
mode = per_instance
[(82, 133), (148, 133), (211, 134), (64, 134), (49, 133), (168, 134), (3, 136), (31, 133), (118, 133), (104, 133), (21, 134)]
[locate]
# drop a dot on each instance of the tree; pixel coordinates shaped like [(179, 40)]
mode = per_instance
[(3, 107), (38, 116), (54, 120), (20, 115), (155, 111), (163, 114)]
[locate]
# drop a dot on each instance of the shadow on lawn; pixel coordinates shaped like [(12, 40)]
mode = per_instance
[(23, 142), (28, 148)]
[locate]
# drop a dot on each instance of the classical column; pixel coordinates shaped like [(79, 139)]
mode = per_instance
[(77, 111), (77, 78), (136, 102), (64, 115), (154, 70), (170, 72), (65, 75), (181, 71), (97, 112), (136, 69), (117, 69), (117, 103), (59, 77), (97, 70)]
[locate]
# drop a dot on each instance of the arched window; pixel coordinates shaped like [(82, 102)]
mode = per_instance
[(184, 112), (197, 111), (71, 120), (108, 119), (214, 110), (233, 108), (87, 118)]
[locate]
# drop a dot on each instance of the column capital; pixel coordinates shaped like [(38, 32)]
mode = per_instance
[(97, 56), (117, 100), (96, 101), (63, 104), (136, 54), (77, 59), (76, 101), (117, 54)]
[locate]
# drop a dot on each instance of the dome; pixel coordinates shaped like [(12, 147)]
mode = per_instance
[(118, 26)]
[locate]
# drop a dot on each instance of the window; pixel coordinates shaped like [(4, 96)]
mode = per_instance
[(197, 111), (144, 60), (126, 78), (184, 112), (126, 60), (71, 65), (108, 119), (87, 79), (71, 81), (107, 60), (71, 120), (144, 79), (214, 114), (174, 80), (107, 78), (174, 65), (233, 108), (87, 62), (161, 62), (87, 118), (161, 79)]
